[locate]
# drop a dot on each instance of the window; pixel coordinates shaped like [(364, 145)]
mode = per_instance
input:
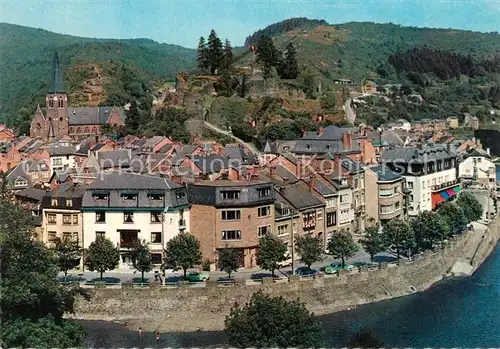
[(397, 205), (100, 217), (67, 219), (344, 216), (264, 230), (128, 217), (52, 218), (386, 192), (331, 219), (285, 211), (344, 198), (410, 185), (156, 258), (74, 236), (155, 197), (156, 238), (386, 208), (264, 211), (69, 202), (330, 202), (283, 229), (75, 219), (100, 234), (230, 194), (127, 196), (61, 102), (411, 198), (57, 161), (180, 195), (319, 214), (396, 190), (231, 215), (67, 236), (52, 235), (51, 102), (54, 202), (264, 192), (356, 183), (231, 235), (100, 196), (155, 217)]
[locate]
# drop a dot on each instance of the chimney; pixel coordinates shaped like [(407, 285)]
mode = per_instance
[(312, 182), (282, 189), (298, 169), (273, 171), (347, 140), (320, 131)]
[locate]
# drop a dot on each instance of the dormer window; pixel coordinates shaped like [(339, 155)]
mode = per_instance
[(54, 202), (100, 196), (129, 196), (155, 197), (180, 195), (264, 192), (285, 211), (69, 202)]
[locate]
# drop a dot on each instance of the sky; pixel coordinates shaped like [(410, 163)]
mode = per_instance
[(183, 22)]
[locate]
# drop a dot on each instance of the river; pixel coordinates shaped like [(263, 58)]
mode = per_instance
[(454, 313)]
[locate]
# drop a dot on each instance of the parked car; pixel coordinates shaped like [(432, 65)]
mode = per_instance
[(305, 271), (196, 276), (335, 267), (287, 262)]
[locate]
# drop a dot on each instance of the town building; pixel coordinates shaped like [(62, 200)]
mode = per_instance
[(232, 214), (431, 174), (58, 119), (476, 165), (62, 159), (129, 207), (384, 194)]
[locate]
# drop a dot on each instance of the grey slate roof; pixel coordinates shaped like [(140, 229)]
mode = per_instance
[(322, 188), (61, 151), (31, 193), (132, 181), (299, 197), (416, 155), (237, 153), (385, 174), (210, 163)]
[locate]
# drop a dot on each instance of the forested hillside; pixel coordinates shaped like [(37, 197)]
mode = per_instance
[(27, 56)]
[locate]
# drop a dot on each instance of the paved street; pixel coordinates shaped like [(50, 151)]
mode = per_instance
[(125, 275)]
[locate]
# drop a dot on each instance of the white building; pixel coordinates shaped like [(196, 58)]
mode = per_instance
[(430, 173), (129, 207), (62, 158), (477, 166)]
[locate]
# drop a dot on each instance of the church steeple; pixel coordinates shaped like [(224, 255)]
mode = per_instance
[(57, 82)]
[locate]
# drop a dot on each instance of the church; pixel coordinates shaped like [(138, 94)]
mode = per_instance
[(59, 120)]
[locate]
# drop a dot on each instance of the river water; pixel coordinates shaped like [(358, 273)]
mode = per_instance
[(455, 313)]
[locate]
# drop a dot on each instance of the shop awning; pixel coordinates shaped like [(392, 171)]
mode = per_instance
[(457, 189), (436, 200), (444, 195), (451, 192)]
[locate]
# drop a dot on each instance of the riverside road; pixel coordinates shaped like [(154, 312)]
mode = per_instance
[(123, 275)]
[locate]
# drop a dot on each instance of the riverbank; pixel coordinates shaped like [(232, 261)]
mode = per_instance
[(186, 309)]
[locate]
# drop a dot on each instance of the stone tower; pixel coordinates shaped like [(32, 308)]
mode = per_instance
[(56, 101)]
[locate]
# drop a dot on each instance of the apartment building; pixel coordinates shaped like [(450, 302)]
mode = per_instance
[(232, 214), (130, 207), (384, 193), (431, 174), (62, 159), (476, 165), (61, 214), (285, 221)]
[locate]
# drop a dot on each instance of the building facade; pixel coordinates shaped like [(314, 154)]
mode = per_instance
[(231, 214), (127, 208)]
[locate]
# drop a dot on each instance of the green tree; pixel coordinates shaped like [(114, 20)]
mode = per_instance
[(68, 254), (202, 58), (182, 252), (341, 245), (328, 100), (271, 251), (227, 69), (454, 216), (309, 249), (33, 302), (432, 227), (215, 52), (399, 234), (290, 66), (473, 210), (141, 258), (308, 80), (134, 119), (267, 55), (229, 260), (102, 256), (373, 242), (273, 322)]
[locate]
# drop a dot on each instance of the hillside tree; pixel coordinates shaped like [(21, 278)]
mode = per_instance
[(202, 55), (271, 251), (102, 256), (141, 258), (134, 119), (182, 252), (229, 260), (309, 249), (272, 322), (290, 65), (342, 245), (267, 55), (68, 254), (373, 241), (215, 52), (226, 69)]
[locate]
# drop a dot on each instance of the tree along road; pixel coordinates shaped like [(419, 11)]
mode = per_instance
[(361, 257)]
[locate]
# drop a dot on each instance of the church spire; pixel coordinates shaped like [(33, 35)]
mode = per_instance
[(57, 83)]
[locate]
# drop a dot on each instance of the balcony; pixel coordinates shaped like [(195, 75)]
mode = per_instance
[(309, 224), (182, 223), (445, 185)]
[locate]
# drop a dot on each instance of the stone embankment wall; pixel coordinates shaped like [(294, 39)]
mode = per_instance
[(187, 308)]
